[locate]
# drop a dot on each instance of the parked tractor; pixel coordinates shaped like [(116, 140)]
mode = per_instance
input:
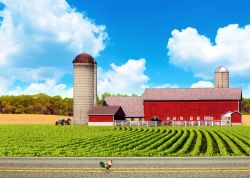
[(63, 121)]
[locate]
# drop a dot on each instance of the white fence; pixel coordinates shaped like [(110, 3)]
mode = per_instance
[(171, 123), (136, 123)]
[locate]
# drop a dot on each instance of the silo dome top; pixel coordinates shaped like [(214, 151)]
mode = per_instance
[(221, 69), (84, 58)]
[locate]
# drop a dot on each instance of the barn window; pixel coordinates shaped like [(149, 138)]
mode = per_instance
[(174, 118), (167, 118), (198, 118), (191, 118), (208, 118), (181, 118)]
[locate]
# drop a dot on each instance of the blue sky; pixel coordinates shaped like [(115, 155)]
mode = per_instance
[(137, 44)]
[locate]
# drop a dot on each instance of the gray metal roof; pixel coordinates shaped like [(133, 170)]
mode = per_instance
[(192, 94), (131, 105), (104, 110)]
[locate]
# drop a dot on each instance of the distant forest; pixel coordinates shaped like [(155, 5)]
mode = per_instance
[(245, 106), (41, 104), (36, 104), (56, 105)]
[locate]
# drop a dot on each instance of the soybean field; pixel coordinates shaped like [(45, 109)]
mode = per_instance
[(75, 141)]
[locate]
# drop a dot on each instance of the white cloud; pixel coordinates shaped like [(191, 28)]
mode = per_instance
[(8, 44), (38, 74), (192, 51), (202, 84), (37, 39), (36, 80), (50, 87), (27, 26), (128, 78)]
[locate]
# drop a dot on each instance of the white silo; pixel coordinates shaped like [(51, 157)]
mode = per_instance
[(221, 77), (85, 87)]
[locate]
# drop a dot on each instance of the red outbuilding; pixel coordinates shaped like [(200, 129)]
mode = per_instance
[(131, 105), (105, 115), (232, 117)]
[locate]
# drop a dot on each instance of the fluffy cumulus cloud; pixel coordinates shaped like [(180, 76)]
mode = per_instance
[(44, 33), (31, 25), (28, 75), (39, 80), (202, 84), (50, 87), (128, 78), (192, 51)]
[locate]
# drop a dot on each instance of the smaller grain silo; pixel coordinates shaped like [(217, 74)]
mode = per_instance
[(221, 77), (85, 87)]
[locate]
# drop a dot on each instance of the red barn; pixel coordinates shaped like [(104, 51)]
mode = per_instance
[(193, 104), (105, 115)]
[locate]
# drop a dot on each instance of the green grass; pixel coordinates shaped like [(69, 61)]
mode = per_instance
[(50, 140)]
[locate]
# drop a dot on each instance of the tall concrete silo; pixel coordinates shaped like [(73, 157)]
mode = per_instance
[(85, 87), (221, 77)]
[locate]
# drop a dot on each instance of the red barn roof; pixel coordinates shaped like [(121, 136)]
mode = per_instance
[(105, 110), (131, 105), (192, 94)]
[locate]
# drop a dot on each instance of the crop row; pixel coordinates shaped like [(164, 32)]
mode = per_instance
[(27, 140)]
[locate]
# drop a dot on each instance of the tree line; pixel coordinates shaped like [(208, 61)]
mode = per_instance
[(36, 104), (56, 105), (106, 94), (245, 106), (41, 104)]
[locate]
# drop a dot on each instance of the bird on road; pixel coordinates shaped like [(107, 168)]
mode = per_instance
[(106, 165)]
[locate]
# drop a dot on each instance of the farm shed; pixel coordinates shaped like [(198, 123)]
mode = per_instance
[(131, 105), (232, 117), (105, 115)]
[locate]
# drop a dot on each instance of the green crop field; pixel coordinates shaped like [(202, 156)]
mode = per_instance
[(48, 140)]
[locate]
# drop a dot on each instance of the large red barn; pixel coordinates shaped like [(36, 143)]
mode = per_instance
[(193, 104)]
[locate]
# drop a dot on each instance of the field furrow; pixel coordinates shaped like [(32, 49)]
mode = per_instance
[(177, 144), (221, 147), (187, 145), (142, 144), (198, 143), (230, 144), (161, 141), (242, 147)]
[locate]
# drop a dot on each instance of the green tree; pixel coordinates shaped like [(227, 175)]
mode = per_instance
[(6, 106), (104, 95), (245, 105), (19, 109)]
